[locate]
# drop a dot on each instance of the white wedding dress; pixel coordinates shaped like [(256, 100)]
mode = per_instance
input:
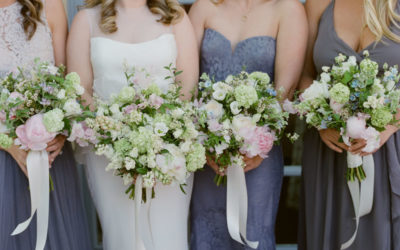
[(169, 210)]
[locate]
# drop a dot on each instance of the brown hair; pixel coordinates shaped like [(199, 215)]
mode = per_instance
[(170, 10), (30, 12)]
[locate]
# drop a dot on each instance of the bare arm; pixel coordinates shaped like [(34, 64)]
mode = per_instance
[(78, 54), (57, 21), (197, 17), (188, 56), (314, 10), (291, 46)]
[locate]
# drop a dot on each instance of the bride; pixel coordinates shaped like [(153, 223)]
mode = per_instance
[(144, 34)]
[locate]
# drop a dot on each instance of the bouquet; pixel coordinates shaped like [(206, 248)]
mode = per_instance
[(238, 117), (359, 101), (353, 99), (35, 107), (148, 134)]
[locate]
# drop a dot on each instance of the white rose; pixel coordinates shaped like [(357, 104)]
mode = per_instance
[(71, 107), (160, 129), (219, 94), (61, 94), (214, 109), (316, 90), (235, 108), (177, 113), (127, 179)]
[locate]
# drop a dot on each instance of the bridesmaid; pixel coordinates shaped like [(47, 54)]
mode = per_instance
[(327, 213), (32, 29), (260, 35)]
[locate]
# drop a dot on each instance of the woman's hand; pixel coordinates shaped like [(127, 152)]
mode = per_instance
[(214, 166), (19, 156), (54, 147), (331, 138), (252, 163)]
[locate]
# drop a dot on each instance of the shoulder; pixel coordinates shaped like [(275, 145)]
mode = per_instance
[(203, 8), (315, 8), (54, 11)]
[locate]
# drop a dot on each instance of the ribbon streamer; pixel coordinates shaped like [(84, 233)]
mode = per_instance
[(144, 235), (236, 206), (362, 194), (38, 173)]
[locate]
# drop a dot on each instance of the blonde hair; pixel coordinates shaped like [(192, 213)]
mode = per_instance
[(380, 16), (30, 12), (169, 10)]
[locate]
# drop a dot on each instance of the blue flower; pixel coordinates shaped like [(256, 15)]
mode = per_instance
[(352, 98), (329, 118), (271, 92), (323, 125), (357, 94), (355, 84), (394, 71), (207, 84)]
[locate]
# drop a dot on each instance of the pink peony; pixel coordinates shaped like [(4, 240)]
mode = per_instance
[(33, 134), (156, 101), (337, 107), (356, 127), (265, 140)]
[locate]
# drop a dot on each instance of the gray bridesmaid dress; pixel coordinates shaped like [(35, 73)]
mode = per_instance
[(326, 212), (68, 229), (208, 208)]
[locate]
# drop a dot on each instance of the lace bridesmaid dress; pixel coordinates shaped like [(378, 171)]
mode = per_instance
[(326, 211), (67, 222), (208, 207)]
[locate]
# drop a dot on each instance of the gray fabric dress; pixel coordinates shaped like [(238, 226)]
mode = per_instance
[(68, 229), (326, 212), (208, 208)]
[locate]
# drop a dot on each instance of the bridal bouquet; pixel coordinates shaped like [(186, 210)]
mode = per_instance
[(148, 134), (359, 101), (36, 106), (355, 99), (238, 117)]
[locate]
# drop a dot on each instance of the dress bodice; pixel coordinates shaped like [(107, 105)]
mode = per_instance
[(15, 48), (252, 54), (109, 58), (328, 44)]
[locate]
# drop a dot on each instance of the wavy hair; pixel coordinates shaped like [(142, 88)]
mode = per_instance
[(170, 11), (30, 12), (380, 16)]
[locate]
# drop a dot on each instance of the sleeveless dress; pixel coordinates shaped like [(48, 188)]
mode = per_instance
[(67, 221), (208, 208), (327, 213), (170, 207)]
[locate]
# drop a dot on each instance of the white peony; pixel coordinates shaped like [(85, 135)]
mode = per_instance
[(235, 108), (241, 125), (214, 109), (173, 163), (71, 107), (316, 90)]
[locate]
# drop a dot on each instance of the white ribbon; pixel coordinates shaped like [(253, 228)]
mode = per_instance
[(236, 206), (362, 194), (37, 164), (144, 235)]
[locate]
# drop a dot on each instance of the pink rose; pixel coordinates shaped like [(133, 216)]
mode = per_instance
[(33, 134), (156, 101), (337, 107), (130, 108)]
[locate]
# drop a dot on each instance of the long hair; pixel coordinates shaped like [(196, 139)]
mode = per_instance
[(30, 12), (380, 16), (169, 10)]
